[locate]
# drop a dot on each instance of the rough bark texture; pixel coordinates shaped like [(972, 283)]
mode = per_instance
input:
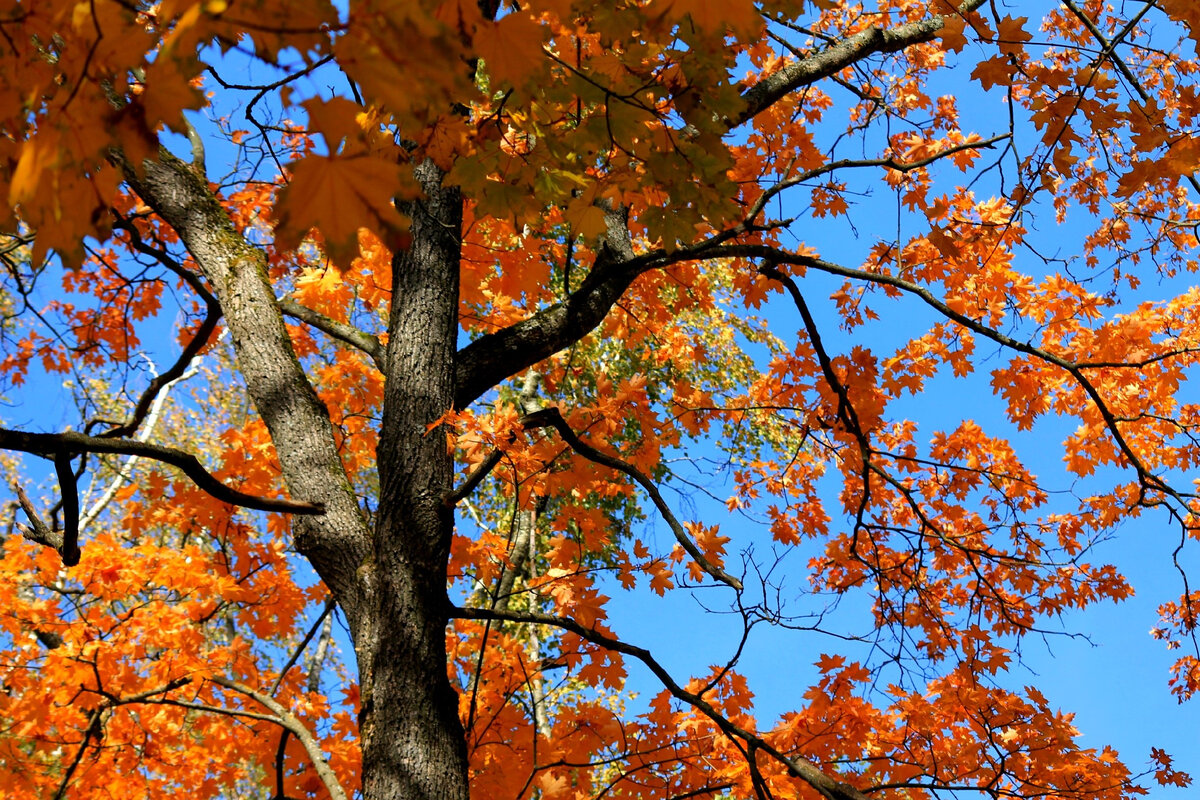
[(390, 581), (412, 739), (336, 542)]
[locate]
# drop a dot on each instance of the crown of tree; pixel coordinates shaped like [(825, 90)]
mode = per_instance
[(439, 322)]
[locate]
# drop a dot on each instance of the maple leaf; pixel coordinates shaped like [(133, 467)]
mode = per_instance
[(511, 48), (953, 32), (169, 90), (340, 121), (995, 71), (339, 195), (1011, 35)]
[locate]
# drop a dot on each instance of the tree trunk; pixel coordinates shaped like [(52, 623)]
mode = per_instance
[(412, 740), (390, 581)]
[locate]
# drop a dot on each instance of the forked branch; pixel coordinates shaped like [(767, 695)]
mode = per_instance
[(95, 725), (197, 343), (492, 358), (38, 532), (279, 716), (296, 728), (774, 255)]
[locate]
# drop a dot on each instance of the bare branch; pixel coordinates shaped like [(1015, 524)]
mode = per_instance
[(125, 470), (70, 442), (70, 505), (197, 343), (40, 533), (312, 631), (317, 664)]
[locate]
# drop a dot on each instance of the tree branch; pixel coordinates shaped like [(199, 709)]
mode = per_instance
[(39, 533), (837, 57), (476, 477), (236, 271), (308, 637), (1075, 370), (279, 716), (69, 443), (126, 468), (490, 359), (845, 410), (194, 346), (797, 766), (552, 418), (348, 334), (70, 505), (94, 724), (294, 726)]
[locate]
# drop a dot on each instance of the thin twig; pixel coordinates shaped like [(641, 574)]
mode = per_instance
[(308, 637), (796, 765)]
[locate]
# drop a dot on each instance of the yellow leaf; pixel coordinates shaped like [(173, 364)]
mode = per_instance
[(586, 218)]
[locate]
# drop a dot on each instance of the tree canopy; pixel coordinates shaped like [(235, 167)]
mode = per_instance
[(441, 322)]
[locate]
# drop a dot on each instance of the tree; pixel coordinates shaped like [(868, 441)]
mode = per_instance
[(500, 260)]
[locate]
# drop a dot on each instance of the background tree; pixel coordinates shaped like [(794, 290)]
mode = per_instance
[(500, 258)]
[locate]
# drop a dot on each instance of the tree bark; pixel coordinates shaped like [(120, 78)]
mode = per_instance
[(335, 542), (390, 581), (412, 739)]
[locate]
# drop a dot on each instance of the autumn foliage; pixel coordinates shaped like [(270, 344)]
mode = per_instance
[(357, 353)]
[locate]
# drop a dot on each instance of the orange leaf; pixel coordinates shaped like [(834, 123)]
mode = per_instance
[(339, 195), (511, 48)]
